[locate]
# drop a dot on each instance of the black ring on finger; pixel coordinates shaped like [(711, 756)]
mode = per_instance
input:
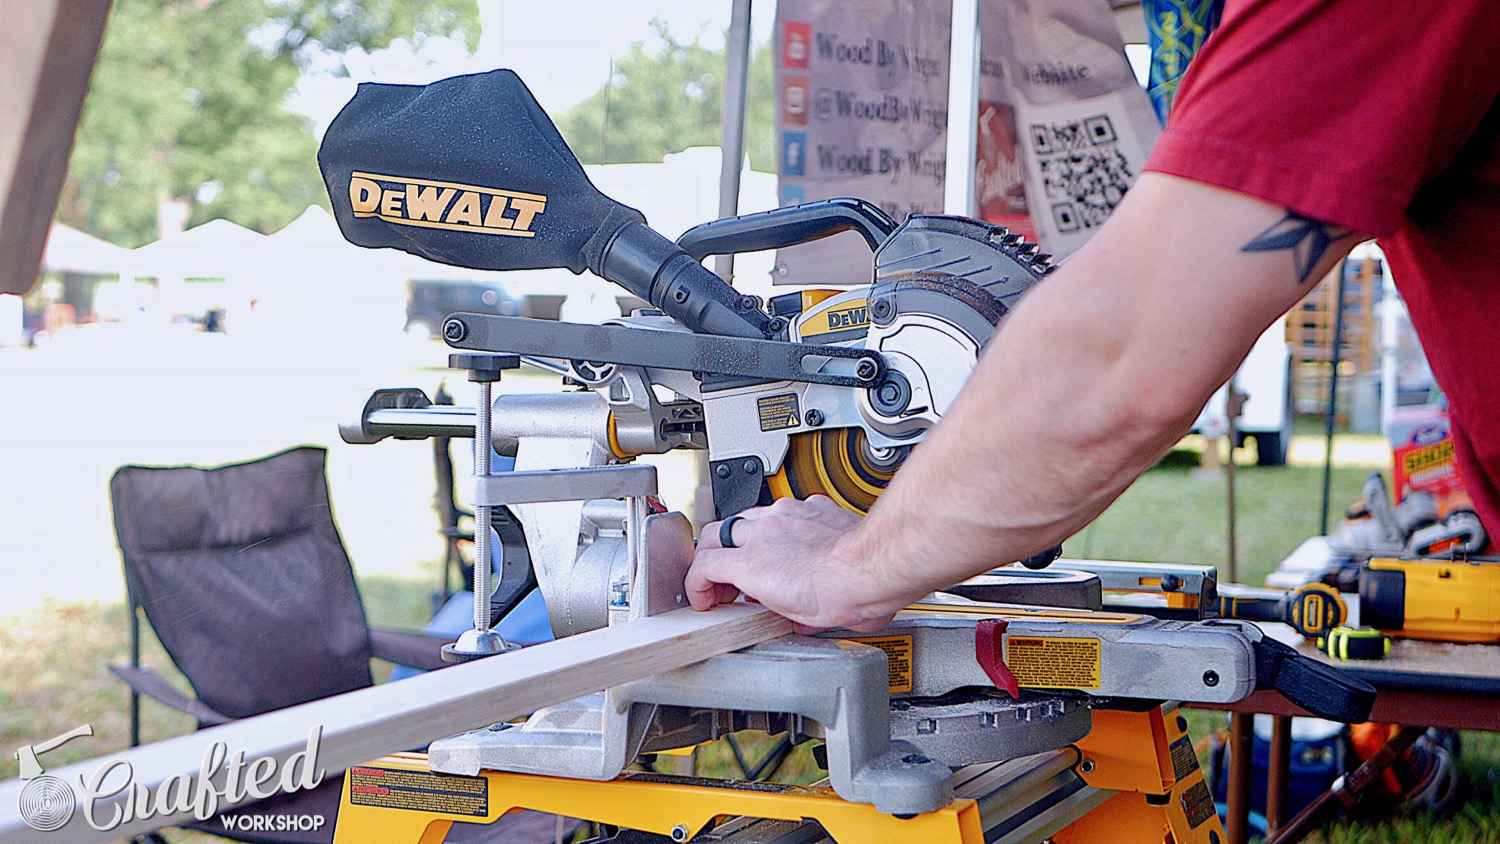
[(726, 532)]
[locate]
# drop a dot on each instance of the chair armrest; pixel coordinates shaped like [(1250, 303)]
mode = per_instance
[(149, 683), (414, 650), (458, 530)]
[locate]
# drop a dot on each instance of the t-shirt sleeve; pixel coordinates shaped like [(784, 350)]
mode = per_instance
[(1340, 110)]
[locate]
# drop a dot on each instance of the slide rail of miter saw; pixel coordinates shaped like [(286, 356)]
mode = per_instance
[(707, 354)]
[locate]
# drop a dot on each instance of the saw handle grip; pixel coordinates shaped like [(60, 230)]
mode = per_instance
[(657, 270), (1318, 688), (788, 226)]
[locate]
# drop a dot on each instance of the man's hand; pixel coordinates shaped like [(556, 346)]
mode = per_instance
[(797, 558), (1088, 382)]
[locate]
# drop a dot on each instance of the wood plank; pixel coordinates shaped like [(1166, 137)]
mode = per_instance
[(366, 724), (47, 52)]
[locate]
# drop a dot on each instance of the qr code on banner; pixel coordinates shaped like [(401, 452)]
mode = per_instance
[(1083, 171)]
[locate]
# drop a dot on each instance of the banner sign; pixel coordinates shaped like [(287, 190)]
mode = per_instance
[(863, 87)]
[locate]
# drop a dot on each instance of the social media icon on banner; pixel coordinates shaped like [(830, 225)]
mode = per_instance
[(793, 153), (796, 41), (793, 195), (794, 99)]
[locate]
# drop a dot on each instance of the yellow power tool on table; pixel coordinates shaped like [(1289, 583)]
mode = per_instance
[(1438, 600), (1312, 609)]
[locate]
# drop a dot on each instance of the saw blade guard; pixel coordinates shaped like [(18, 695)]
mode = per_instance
[(942, 287), (470, 171)]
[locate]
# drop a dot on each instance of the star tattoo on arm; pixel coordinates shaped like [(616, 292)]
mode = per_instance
[(1307, 239)]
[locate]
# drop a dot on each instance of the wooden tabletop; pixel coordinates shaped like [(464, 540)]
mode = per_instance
[(1435, 684)]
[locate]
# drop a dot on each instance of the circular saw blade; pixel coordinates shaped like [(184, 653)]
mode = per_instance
[(952, 271), (838, 463)]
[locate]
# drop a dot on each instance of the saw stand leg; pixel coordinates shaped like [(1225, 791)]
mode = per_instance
[(1148, 758), (481, 641)]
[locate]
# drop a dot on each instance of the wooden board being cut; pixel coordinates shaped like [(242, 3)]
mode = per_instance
[(369, 723)]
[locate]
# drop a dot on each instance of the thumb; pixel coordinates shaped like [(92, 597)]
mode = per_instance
[(702, 581)]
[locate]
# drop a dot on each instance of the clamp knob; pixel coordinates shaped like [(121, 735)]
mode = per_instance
[(483, 368)]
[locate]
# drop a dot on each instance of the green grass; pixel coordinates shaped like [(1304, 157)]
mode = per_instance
[(54, 672), (1474, 820), (1172, 516), (53, 658)]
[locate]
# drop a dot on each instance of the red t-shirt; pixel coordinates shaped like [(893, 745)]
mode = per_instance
[(1381, 118)]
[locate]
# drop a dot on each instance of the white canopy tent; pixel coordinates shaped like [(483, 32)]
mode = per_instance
[(70, 250), (217, 249), (67, 250), (315, 293)]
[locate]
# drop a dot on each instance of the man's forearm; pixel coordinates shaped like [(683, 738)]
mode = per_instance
[(1085, 386), (1100, 369), (1056, 421)]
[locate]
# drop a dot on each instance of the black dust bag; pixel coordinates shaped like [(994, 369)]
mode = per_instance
[(466, 171)]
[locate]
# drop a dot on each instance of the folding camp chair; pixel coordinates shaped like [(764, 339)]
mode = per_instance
[(242, 574)]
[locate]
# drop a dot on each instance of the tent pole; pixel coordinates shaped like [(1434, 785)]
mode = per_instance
[(732, 127), (732, 147), (963, 109), (49, 48)]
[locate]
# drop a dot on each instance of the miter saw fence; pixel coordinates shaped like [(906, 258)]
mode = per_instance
[(821, 391)]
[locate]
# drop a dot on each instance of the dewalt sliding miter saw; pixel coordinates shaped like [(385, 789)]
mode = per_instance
[(822, 392), (814, 392)]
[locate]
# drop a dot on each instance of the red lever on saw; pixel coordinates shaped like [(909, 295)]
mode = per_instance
[(989, 651)]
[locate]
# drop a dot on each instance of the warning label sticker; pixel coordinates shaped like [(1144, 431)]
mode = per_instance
[(777, 412), (1197, 804), (897, 656), (419, 791), (1046, 663), (1184, 760)]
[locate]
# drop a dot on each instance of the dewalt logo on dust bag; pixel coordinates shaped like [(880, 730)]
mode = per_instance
[(445, 205), (467, 171)]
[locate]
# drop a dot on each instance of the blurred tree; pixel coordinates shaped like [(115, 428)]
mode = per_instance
[(668, 100), (187, 114)]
